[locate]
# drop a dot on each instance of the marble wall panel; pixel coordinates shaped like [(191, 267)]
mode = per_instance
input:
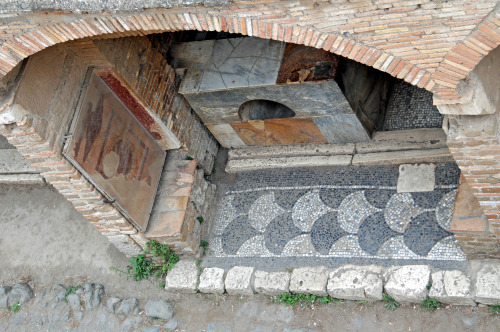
[(341, 128)]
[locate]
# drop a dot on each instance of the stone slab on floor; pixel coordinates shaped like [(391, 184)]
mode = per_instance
[(309, 280), (356, 283), (453, 287), (488, 284), (416, 178), (212, 280), (239, 281), (408, 284), (240, 165), (271, 283), (183, 277)]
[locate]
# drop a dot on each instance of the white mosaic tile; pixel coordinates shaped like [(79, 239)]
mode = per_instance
[(447, 249), (307, 209), (263, 211), (254, 247), (444, 210), (353, 210), (225, 215), (400, 210), (299, 246)]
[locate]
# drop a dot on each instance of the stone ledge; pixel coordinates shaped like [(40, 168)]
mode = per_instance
[(406, 284)]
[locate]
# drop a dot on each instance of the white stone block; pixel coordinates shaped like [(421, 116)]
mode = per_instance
[(310, 280), (182, 278), (408, 284), (451, 287), (239, 280), (271, 283), (212, 280), (416, 178), (488, 284), (356, 283)]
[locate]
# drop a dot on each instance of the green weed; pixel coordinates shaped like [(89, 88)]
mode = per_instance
[(390, 303), (363, 302), (302, 299), (203, 244), (156, 260), (71, 290), (200, 219), (430, 304), (494, 309), (16, 307), (189, 158)]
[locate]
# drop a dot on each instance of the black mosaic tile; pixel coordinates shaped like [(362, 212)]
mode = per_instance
[(423, 233), (325, 232)]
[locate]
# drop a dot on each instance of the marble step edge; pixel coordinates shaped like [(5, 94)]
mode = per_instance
[(22, 178), (405, 283), (366, 159), (415, 139)]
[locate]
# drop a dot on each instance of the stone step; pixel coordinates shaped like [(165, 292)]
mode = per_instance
[(14, 169), (397, 147), (240, 165)]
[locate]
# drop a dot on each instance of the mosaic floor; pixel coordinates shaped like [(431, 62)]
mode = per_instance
[(296, 217)]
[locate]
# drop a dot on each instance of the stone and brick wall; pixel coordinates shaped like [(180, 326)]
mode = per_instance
[(431, 44), (47, 96)]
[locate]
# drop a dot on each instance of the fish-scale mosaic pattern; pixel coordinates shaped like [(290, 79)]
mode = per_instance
[(336, 213)]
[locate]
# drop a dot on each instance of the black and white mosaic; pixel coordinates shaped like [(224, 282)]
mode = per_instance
[(343, 212), (411, 107)]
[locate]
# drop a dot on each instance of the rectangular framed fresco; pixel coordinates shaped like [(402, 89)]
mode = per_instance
[(115, 152)]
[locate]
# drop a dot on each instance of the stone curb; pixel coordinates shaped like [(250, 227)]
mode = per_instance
[(406, 284)]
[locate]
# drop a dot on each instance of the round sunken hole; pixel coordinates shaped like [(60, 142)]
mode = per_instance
[(261, 109)]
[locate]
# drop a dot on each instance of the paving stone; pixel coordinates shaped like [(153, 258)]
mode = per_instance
[(212, 280), (356, 283), (132, 323), (239, 280), (151, 329), (488, 284), (112, 304), (74, 302), (453, 287), (271, 283), (416, 178), (310, 280), (172, 325), (93, 295), (183, 277), (159, 309), (408, 284), (21, 292), (127, 306), (4, 295)]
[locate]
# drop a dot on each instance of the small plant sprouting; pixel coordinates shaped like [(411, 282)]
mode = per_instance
[(430, 304), (390, 304), (289, 299), (494, 309), (363, 302), (429, 285), (189, 158), (200, 219), (198, 262), (203, 244), (155, 261), (16, 307), (71, 290), (213, 170)]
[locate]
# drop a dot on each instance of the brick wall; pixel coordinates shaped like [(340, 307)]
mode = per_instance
[(48, 93), (431, 44)]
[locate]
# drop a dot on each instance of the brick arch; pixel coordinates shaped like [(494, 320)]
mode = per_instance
[(464, 57), (22, 46)]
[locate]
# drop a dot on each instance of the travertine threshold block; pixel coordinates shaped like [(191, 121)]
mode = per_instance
[(212, 280), (239, 280), (356, 283), (408, 284), (271, 283), (488, 284), (310, 280), (453, 287), (183, 277)]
